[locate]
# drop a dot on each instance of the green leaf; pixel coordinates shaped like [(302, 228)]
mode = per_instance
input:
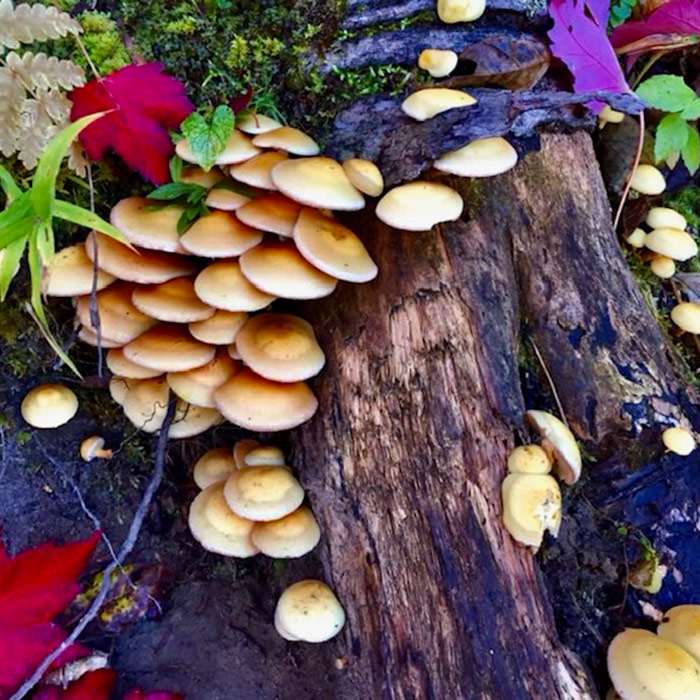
[(666, 92), (207, 137), (45, 241), (8, 185), (10, 259), (173, 190), (692, 111), (175, 168), (671, 136), (84, 217), (691, 151), (16, 221)]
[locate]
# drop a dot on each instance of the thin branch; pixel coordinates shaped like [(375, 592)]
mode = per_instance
[(637, 158), (95, 321), (550, 381)]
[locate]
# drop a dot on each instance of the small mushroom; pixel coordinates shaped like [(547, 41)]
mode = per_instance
[(429, 102), (174, 301), (308, 611), (452, 11), (253, 123), (213, 467), (608, 115), (674, 243), (191, 420), (70, 273), (219, 235), (663, 217), (197, 386), (437, 62), (636, 238), (241, 449), (681, 625), (529, 459), (419, 205), (145, 402), (122, 367), (169, 348), (559, 442), (256, 171), (274, 213), (290, 537), (686, 316), (225, 199), (288, 139), (154, 229), (119, 387), (223, 285), (648, 180), (263, 456), (480, 158), (364, 175), (93, 448), (49, 406), (679, 441), (663, 267), (238, 148), (194, 175), (89, 336), (221, 329)]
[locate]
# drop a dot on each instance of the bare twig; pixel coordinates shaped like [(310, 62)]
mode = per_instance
[(550, 381), (637, 158), (94, 309)]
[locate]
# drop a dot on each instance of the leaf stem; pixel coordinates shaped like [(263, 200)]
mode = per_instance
[(637, 158)]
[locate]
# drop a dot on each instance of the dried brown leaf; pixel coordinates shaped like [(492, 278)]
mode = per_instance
[(44, 72), (27, 23)]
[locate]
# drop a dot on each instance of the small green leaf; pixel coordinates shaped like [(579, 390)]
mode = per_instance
[(666, 92), (238, 188), (196, 195), (8, 185), (671, 136), (692, 111), (173, 190), (207, 137), (10, 259), (16, 221), (175, 168), (691, 151), (84, 217), (45, 241)]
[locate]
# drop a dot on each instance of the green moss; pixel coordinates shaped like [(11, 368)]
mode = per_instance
[(372, 80), (184, 26), (23, 437), (687, 202), (103, 43)]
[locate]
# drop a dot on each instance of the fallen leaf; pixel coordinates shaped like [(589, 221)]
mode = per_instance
[(690, 284), (96, 685), (138, 694), (674, 17)]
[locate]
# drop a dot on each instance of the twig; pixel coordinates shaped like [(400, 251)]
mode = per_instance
[(637, 158), (126, 549), (550, 381), (95, 321)]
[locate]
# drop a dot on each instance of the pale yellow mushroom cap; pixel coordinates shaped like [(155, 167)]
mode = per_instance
[(452, 11), (220, 329), (687, 316), (223, 285), (197, 386), (49, 406), (173, 301), (263, 493), (122, 367), (194, 175), (428, 103), (560, 442), (292, 536), (256, 171), (69, 273), (663, 217), (274, 213), (253, 402), (119, 387), (145, 402), (256, 123), (480, 158), (608, 114), (169, 348), (217, 528), (418, 206), (155, 229), (93, 448), (266, 455), (643, 666), (674, 243), (309, 611), (333, 248), (90, 337), (679, 441), (237, 149), (280, 347), (191, 420), (280, 270), (213, 467), (663, 267), (529, 459), (317, 182), (636, 238), (437, 62), (225, 200), (241, 449), (681, 625), (219, 235), (648, 180), (289, 139), (364, 175)]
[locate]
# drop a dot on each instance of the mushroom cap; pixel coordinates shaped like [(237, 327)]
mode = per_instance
[(309, 611), (225, 200), (480, 158), (241, 449), (237, 149), (364, 175), (155, 229), (318, 182), (288, 139), (216, 528), (672, 242), (681, 625), (686, 316), (145, 403), (419, 205), (292, 536), (219, 235), (265, 455), (256, 123), (273, 212), (194, 175), (144, 267), (191, 420), (49, 406), (120, 366), (663, 267), (213, 467), (197, 386), (648, 180), (529, 459), (438, 62), (69, 273), (220, 329), (428, 103), (643, 666), (636, 238), (223, 285), (679, 441), (170, 348), (253, 402), (119, 387), (173, 301), (279, 269), (608, 114), (90, 446), (663, 217), (560, 440), (452, 11), (263, 493), (256, 171), (531, 505), (332, 247), (280, 347), (233, 352), (90, 337)]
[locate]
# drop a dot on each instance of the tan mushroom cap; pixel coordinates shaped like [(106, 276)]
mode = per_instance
[(274, 213), (333, 248), (237, 149), (453, 11), (438, 62), (309, 611), (288, 139), (279, 269), (280, 347), (672, 242), (218, 529), (643, 666), (145, 403), (220, 329), (196, 176), (191, 420), (529, 459), (223, 285), (93, 448), (559, 441), (213, 467), (686, 316), (318, 182), (226, 200), (70, 272), (219, 235), (608, 114), (648, 180), (292, 536), (681, 625), (154, 229), (256, 123), (144, 267), (636, 238), (679, 441), (49, 406), (419, 205), (119, 387), (120, 366), (364, 175), (173, 301), (233, 352), (241, 449), (197, 386), (480, 158), (265, 455), (428, 103), (256, 171), (663, 267), (253, 402), (263, 493), (90, 337), (663, 217), (169, 348)]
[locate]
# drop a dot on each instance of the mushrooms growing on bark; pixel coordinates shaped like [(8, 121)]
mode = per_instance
[(663, 217), (438, 62), (686, 316), (529, 459), (481, 158), (70, 272), (288, 139), (429, 102), (679, 441), (291, 536), (681, 625), (93, 448), (636, 238), (49, 406), (671, 242), (418, 206), (264, 455), (647, 179), (663, 267), (558, 441), (364, 175), (213, 467), (308, 611)]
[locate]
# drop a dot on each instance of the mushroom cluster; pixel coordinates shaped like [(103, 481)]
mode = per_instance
[(174, 309), (250, 503)]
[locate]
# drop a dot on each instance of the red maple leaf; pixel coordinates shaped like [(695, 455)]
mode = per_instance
[(138, 694), (674, 17), (146, 104)]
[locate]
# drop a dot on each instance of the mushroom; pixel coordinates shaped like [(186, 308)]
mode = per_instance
[(364, 175), (437, 62), (237, 149), (681, 625), (647, 179), (452, 11), (529, 459), (280, 347), (253, 123), (288, 139), (213, 467), (663, 267), (173, 301), (191, 420), (241, 449), (608, 115), (686, 316), (90, 337), (119, 365), (643, 666), (256, 171), (429, 102), (663, 217), (274, 213), (169, 348), (194, 175), (225, 199), (480, 158), (219, 235), (220, 329), (70, 273), (49, 406), (636, 238), (292, 536), (155, 229), (419, 205), (308, 611), (250, 401), (217, 528), (233, 352), (672, 242), (119, 387), (197, 386), (223, 285), (93, 448), (145, 403), (679, 441), (264, 456), (559, 442)]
